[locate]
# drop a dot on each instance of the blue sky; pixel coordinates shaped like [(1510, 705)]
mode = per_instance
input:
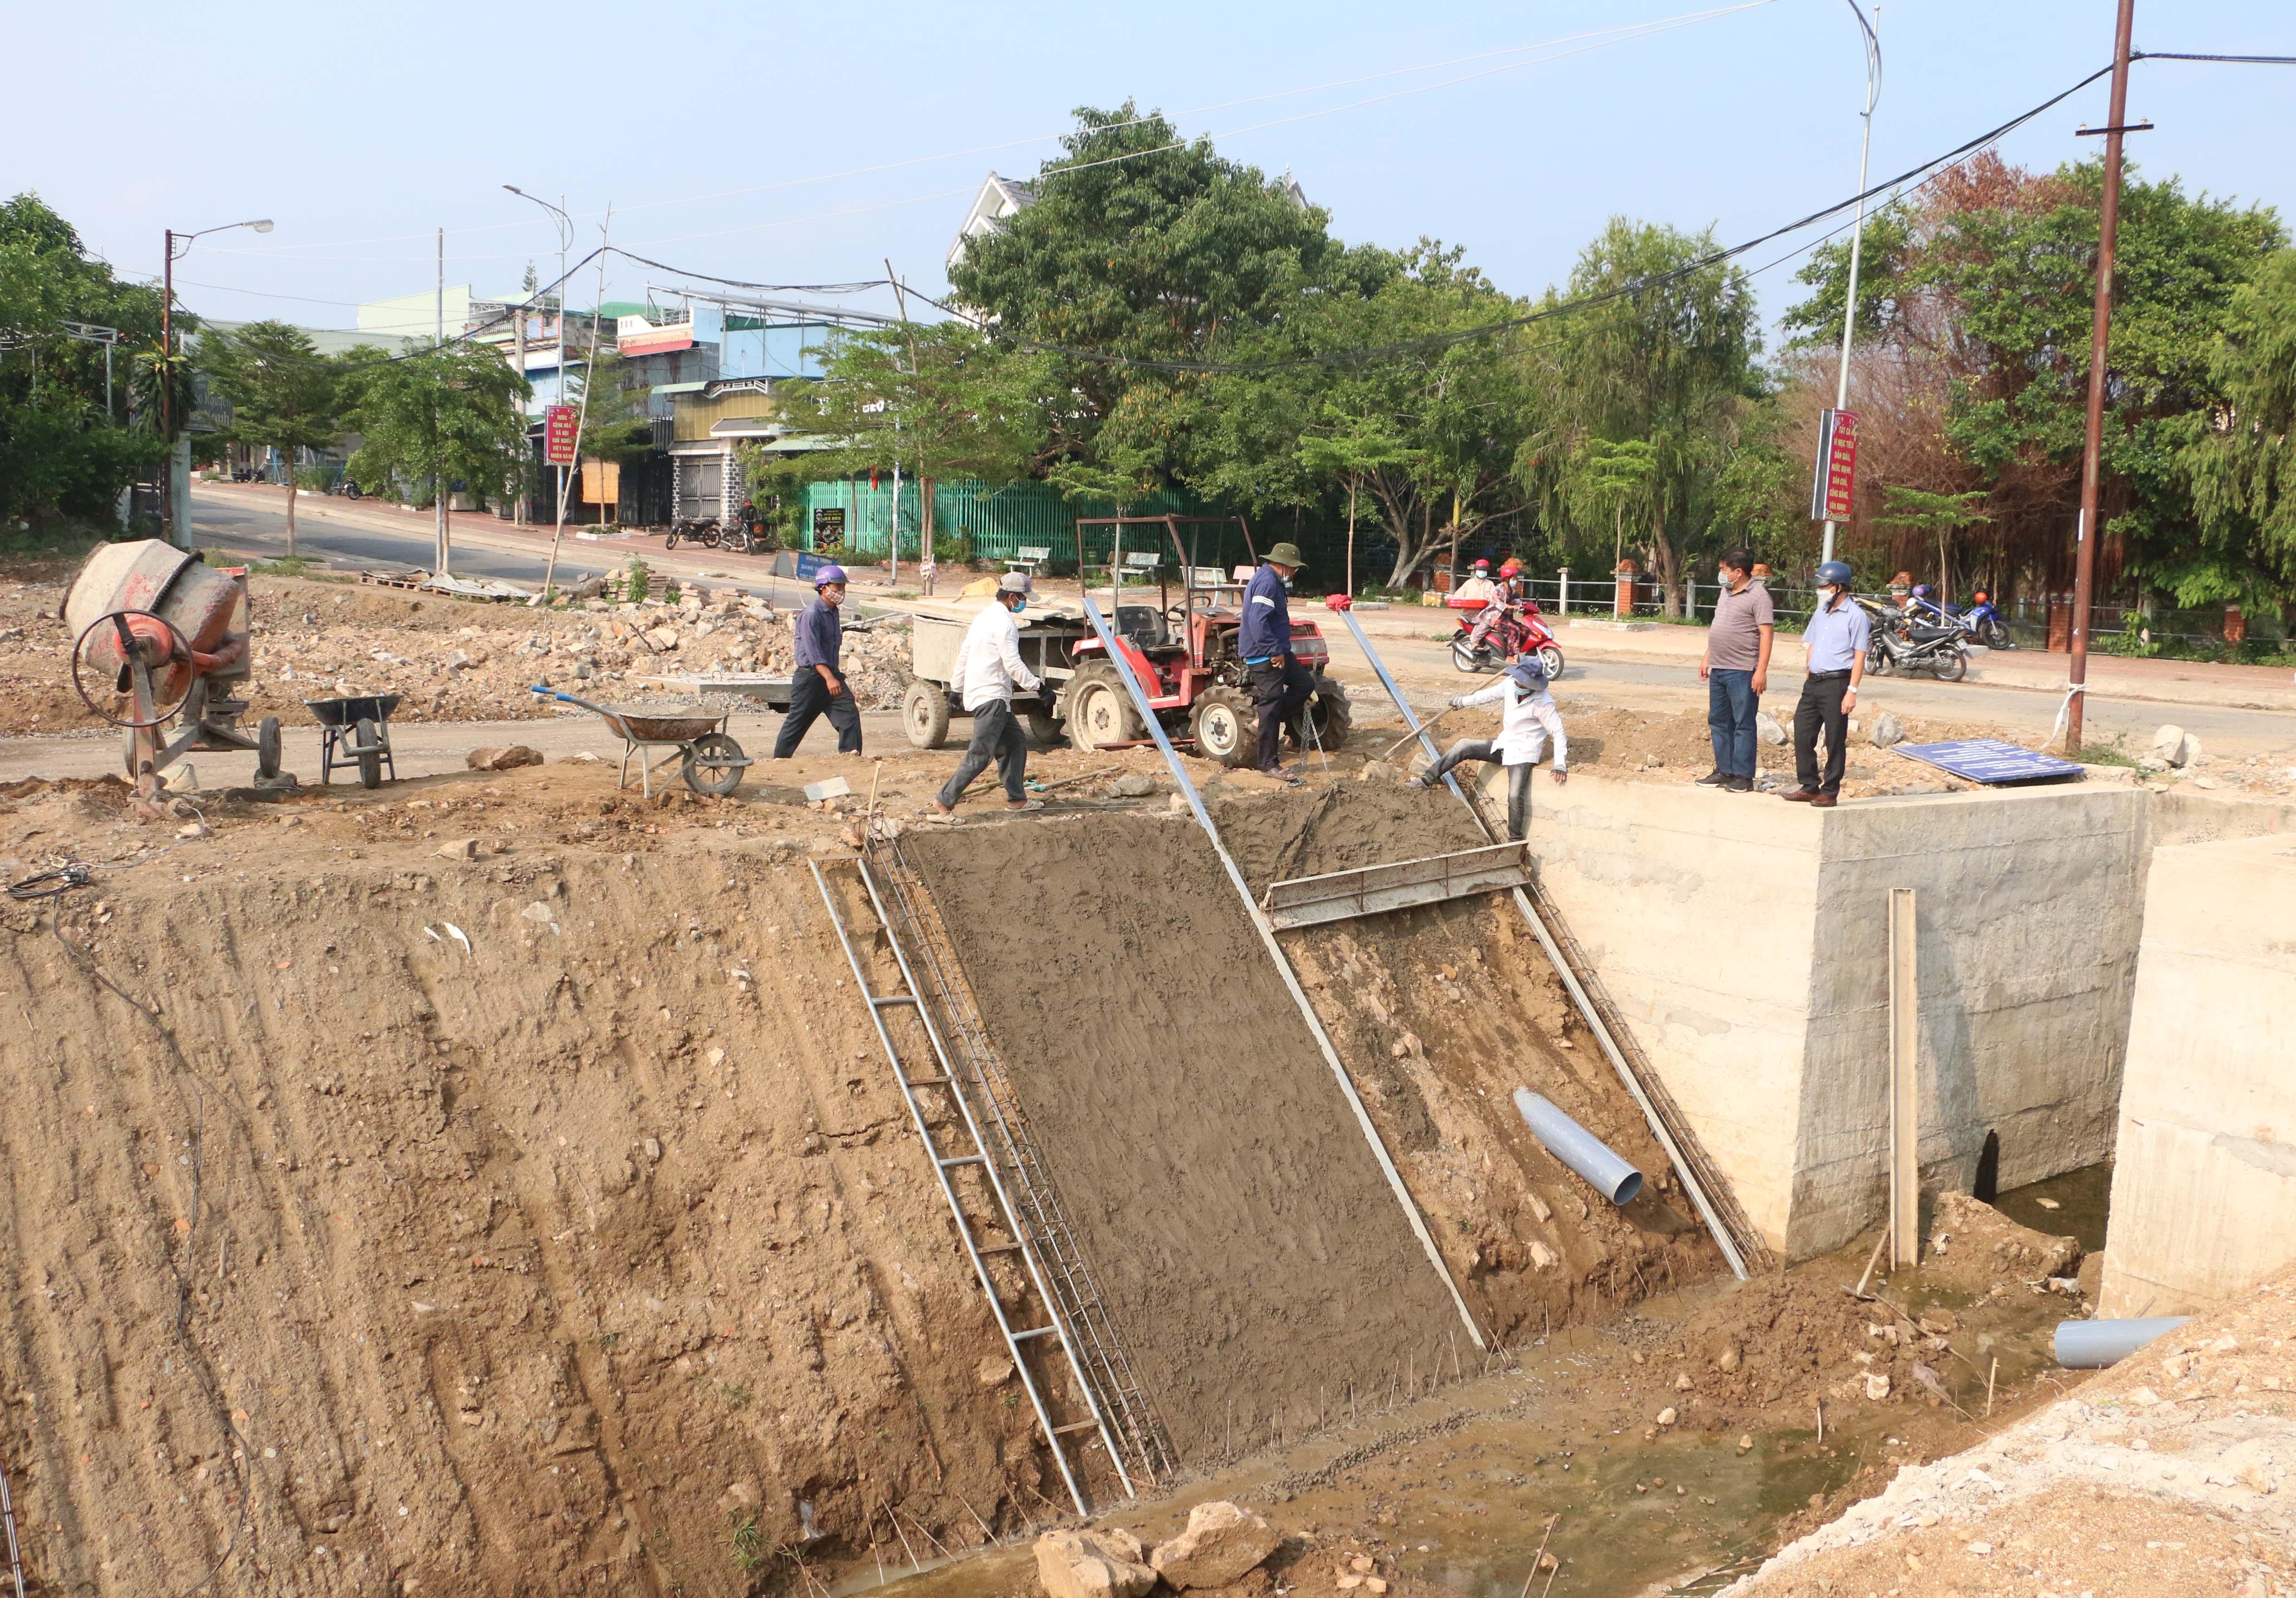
[(733, 138)]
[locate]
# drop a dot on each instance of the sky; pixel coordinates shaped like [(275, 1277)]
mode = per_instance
[(788, 145)]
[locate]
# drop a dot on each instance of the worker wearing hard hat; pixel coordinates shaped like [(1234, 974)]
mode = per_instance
[(1280, 685), (818, 687), (1528, 721), (989, 671)]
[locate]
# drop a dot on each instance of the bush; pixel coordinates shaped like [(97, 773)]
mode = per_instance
[(954, 551), (636, 580)]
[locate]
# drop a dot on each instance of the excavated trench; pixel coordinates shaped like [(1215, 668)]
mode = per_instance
[(377, 1223)]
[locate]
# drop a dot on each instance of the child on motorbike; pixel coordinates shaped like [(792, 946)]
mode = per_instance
[(1528, 720)]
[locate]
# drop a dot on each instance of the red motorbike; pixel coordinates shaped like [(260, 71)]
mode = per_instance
[(1516, 630)]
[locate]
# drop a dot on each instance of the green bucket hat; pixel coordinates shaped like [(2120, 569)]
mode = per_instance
[(1286, 554)]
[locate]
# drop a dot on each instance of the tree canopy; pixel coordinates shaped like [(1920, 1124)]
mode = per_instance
[(283, 394)]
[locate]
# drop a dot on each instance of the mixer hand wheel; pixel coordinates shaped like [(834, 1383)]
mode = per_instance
[(135, 669)]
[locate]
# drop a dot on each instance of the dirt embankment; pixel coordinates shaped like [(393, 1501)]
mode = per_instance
[(1441, 1012), (593, 1252), (452, 659), (1252, 1254)]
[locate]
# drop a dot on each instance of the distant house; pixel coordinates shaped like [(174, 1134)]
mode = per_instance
[(999, 197)]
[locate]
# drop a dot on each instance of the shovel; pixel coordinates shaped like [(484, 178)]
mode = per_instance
[(1422, 726)]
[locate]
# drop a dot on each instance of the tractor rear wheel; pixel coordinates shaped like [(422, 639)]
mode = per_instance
[(1329, 713), (1226, 728), (924, 714), (1100, 710)]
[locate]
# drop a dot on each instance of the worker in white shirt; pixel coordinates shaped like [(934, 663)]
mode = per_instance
[(988, 669), (1528, 720)]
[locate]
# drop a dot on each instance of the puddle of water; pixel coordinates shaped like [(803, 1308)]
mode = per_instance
[(2082, 1197)]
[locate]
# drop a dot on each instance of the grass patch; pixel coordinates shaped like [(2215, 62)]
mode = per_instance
[(2115, 753), (747, 1543)]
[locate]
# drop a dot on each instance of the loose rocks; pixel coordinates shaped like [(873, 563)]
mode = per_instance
[(502, 759), (1221, 1542), (1767, 729), (1887, 730), (1102, 1562)]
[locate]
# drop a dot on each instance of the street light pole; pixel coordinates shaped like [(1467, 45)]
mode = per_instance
[(2086, 534), (565, 224), (168, 363), (1858, 234)]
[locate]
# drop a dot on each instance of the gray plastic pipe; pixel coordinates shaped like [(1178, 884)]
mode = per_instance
[(1579, 1149), (2092, 1345)]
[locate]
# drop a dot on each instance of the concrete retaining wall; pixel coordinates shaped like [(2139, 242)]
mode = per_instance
[(1744, 938), (2204, 1183)]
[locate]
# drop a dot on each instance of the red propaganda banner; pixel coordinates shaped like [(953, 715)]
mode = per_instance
[(1833, 496), (559, 422)]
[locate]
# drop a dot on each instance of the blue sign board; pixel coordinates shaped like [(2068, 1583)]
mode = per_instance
[(1990, 760)]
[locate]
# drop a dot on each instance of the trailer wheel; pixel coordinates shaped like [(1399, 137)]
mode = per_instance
[(924, 714), (1225, 727), (1100, 711)]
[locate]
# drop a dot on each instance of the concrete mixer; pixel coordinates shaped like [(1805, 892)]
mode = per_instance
[(160, 638)]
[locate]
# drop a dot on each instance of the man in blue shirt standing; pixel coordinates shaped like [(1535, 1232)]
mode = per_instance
[(1836, 638), (1280, 684), (818, 687)]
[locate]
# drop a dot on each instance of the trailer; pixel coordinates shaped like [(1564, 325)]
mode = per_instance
[(1048, 644)]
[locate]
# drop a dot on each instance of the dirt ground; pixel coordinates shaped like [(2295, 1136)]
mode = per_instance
[(452, 659)]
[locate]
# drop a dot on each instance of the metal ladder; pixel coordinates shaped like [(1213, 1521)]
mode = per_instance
[(1072, 1319), (8, 1523)]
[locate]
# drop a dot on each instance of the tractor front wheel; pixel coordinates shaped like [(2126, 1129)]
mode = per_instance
[(1226, 728), (1100, 711)]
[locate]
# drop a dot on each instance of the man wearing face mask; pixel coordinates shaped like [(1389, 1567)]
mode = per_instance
[(989, 668), (1835, 638), (1528, 721), (1280, 684)]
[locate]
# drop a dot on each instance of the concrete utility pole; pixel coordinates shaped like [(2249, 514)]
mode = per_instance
[(168, 366), (565, 224), (1858, 234), (2084, 534), (437, 444)]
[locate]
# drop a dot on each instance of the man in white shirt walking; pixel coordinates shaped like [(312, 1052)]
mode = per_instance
[(1528, 720), (988, 669)]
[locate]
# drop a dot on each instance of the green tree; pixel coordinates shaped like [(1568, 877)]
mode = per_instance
[(439, 415), (1939, 515), (1663, 354), (1354, 450), (1144, 245), (283, 394), (1616, 476), (2240, 459)]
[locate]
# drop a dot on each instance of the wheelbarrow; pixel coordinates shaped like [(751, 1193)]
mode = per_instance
[(712, 763), (354, 732)]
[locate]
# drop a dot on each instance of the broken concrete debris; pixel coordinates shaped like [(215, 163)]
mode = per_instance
[(1094, 1562), (1222, 1541), (502, 759)]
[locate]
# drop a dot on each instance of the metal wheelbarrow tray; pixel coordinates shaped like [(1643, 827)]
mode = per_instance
[(711, 761), (356, 732)]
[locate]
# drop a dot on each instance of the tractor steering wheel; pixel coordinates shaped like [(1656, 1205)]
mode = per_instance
[(179, 649)]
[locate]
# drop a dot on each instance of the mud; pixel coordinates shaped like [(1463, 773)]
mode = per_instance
[(596, 1255), (1254, 1257)]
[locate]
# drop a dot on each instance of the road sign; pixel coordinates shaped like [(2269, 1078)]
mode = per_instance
[(559, 426), (1833, 493), (1990, 760)]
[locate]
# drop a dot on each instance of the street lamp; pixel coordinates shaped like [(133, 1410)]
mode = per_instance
[(1858, 237), (565, 224), (167, 353)]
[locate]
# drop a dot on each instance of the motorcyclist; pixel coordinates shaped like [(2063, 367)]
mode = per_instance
[(1508, 593)]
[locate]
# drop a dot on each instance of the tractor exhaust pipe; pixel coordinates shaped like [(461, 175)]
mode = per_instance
[(1579, 1149)]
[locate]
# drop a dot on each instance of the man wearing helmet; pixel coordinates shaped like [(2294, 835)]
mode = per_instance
[(819, 688), (1506, 591), (1835, 638)]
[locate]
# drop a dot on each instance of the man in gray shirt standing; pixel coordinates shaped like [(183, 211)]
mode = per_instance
[(1736, 667), (1837, 634)]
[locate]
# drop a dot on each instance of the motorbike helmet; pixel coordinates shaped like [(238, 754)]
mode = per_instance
[(1512, 569), (1482, 569), (1835, 573), (1921, 590), (1980, 598), (828, 575)]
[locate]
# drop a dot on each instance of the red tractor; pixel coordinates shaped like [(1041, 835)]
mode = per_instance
[(1183, 653)]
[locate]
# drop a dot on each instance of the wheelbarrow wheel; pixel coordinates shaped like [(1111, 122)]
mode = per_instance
[(266, 748), (368, 737), (714, 765)]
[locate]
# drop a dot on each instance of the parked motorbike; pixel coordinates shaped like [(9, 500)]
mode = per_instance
[(702, 530), (1981, 622), (1518, 630), (1910, 646)]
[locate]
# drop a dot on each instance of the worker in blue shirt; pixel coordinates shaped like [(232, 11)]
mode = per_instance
[(1836, 636), (818, 686), (1280, 684)]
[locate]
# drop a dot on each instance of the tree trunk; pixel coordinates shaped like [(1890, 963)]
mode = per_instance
[(1667, 567), (291, 512)]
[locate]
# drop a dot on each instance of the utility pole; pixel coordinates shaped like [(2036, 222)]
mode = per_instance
[(1858, 234), (437, 440), (2084, 536)]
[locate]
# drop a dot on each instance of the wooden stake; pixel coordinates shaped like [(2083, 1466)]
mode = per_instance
[(1990, 1375), (1904, 1087), (1819, 1405)]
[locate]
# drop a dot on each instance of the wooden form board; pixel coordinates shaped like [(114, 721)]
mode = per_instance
[(1904, 1083)]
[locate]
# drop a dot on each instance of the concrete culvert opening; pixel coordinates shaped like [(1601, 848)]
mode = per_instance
[(1262, 1272)]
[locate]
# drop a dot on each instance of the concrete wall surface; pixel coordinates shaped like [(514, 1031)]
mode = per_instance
[(2204, 1179), (1746, 941)]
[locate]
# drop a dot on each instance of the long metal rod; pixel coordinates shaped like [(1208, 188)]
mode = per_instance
[(948, 1187), (1566, 968), (2087, 533), (8, 1520), (1858, 234), (1290, 979), (1029, 1252)]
